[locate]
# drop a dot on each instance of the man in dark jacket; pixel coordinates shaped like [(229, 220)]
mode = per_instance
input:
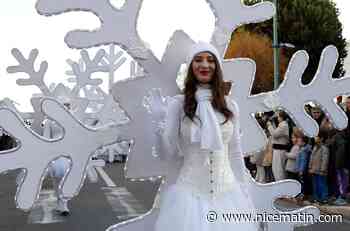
[(339, 152), (347, 159)]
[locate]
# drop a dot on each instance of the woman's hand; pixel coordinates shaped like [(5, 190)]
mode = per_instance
[(158, 109), (157, 104)]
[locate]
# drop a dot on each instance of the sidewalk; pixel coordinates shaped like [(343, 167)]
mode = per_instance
[(325, 209), (333, 209)]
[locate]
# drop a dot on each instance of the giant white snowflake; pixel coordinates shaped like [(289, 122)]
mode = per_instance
[(78, 141), (118, 26)]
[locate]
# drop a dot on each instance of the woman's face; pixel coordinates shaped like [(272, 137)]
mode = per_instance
[(203, 67)]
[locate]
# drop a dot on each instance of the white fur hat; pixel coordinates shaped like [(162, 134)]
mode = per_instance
[(202, 47)]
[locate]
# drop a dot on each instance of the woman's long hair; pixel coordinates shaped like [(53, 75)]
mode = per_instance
[(218, 87)]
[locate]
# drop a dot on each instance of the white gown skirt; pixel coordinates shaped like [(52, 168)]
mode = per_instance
[(183, 210)]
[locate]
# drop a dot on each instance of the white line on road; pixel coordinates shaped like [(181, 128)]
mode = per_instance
[(43, 211), (124, 203), (109, 182)]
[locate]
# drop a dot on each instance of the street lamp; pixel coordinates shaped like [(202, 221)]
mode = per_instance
[(276, 49)]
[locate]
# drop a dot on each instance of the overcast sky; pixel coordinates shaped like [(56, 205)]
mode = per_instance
[(344, 7), (23, 28)]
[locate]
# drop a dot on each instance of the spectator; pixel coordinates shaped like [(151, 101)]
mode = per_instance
[(302, 162), (317, 114), (318, 168), (322, 121), (280, 141), (267, 161), (292, 155), (259, 156), (332, 175), (347, 106), (347, 111), (342, 173)]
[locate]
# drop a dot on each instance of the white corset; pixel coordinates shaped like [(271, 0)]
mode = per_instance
[(207, 174)]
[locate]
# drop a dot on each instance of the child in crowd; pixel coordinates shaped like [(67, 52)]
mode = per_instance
[(302, 161), (292, 155), (318, 168)]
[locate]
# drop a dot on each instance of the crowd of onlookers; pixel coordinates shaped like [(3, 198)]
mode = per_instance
[(321, 164)]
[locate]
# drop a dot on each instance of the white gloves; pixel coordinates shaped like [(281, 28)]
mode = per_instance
[(158, 108)]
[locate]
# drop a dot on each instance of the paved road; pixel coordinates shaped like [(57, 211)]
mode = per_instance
[(99, 205)]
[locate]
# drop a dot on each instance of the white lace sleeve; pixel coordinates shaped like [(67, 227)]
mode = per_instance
[(235, 148), (167, 139)]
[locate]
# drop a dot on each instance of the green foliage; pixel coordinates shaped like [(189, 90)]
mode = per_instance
[(310, 25)]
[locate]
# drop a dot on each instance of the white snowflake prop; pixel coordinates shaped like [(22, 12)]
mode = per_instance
[(322, 91), (78, 104), (113, 61), (281, 98), (83, 75), (106, 130), (136, 70), (234, 13), (111, 112), (35, 153), (36, 78)]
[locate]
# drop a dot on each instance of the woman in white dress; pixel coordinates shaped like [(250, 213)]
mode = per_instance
[(202, 127)]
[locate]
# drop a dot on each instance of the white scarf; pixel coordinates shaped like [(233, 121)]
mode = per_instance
[(208, 134)]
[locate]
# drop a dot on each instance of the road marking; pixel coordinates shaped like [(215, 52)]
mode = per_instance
[(43, 211), (123, 203), (109, 182), (92, 175)]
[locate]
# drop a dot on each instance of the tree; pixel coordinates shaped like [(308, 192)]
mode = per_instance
[(257, 47), (310, 25)]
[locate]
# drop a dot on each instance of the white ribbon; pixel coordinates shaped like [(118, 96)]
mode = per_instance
[(207, 132)]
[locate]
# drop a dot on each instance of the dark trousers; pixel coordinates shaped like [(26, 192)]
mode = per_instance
[(292, 175), (342, 181), (268, 174), (306, 184), (320, 187)]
